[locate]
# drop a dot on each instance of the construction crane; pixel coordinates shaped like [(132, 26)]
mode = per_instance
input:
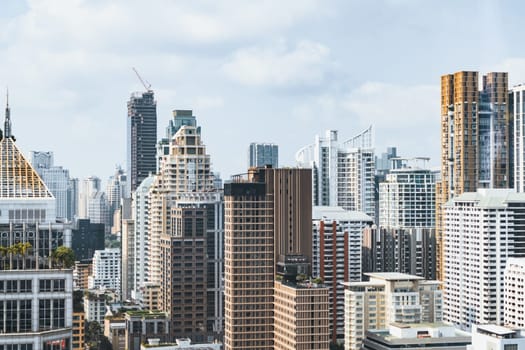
[(144, 82)]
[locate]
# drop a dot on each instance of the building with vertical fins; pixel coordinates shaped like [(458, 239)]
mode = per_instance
[(475, 151), (342, 172), (36, 306), (267, 234), (141, 138)]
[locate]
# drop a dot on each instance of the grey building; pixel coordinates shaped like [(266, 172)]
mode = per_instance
[(87, 237), (262, 154), (141, 137)]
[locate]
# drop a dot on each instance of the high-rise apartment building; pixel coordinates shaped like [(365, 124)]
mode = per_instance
[(482, 231), (268, 232), (262, 154), (405, 250), (407, 199), (36, 290), (343, 172), (387, 298), (57, 180), (517, 116), (141, 138), (116, 189), (474, 140), (514, 293), (185, 180), (337, 237)]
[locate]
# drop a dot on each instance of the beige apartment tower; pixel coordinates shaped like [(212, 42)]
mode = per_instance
[(268, 232), (474, 140)]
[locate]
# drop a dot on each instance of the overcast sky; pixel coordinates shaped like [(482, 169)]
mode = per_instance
[(268, 71)]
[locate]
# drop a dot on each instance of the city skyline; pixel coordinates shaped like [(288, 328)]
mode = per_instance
[(243, 68)]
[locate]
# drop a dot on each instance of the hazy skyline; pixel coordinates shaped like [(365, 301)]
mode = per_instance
[(252, 71)]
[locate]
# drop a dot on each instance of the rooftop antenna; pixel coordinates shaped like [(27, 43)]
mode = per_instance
[(144, 82), (7, 122)]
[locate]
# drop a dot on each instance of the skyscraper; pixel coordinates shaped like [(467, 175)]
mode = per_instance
[(343, 172), (262, 154), (141, 138), (268, 232), (517, 116), (474, 140), (185, 184)]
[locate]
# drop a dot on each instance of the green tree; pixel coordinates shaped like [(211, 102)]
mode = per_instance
[(63, 257)]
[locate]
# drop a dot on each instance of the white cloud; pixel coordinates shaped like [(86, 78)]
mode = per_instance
[(281, 65)]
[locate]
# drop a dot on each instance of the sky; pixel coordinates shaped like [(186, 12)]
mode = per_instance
[(252, 71)]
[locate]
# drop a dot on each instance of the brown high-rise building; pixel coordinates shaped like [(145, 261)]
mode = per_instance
[(474, 140), (268, 232)]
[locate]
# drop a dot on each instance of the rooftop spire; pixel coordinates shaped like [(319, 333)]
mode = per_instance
[(7, 123)]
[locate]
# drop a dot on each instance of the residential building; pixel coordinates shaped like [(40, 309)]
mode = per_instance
[(185, 180), (514, 293), (516, 114), (128, 246), (337, 237), (141, 326), (405, 250), (79, 331), (116, 190), (106, 270), (389, 297), (180, 344), (342, 172), (268, 233), (490, 336), (141, 237), (98, 210), (417, 336), (407, 198), (83, 269), (115, 330), (36, 291), (474, 141), (301, 316), (141, 138), (482, 230), (262, 154), (95, 302), (88, 188)]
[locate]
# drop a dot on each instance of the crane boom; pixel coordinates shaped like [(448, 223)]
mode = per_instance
[(145, 83)]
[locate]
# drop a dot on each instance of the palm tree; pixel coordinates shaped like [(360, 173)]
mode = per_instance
[(63, 257), (3, 253)]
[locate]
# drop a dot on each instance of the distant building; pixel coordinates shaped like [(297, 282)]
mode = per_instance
[(95, 306), (87, 237), (106, 270), (342, 172), (141, 138), (141, 326), (337, 236), (263, 154), (83, 269), (482, 231), (387, 298), (57, 180), (180, 344)]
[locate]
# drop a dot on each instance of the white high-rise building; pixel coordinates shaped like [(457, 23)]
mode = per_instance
[(388, 297), (142, 253), (106, 270), (88, 187), (337, 244), (482, 231), (98, 210), (343, 172), (515, 293), (518, 113), (407, 199)]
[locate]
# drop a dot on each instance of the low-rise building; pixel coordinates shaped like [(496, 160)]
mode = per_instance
[(420, 336), (494, 337), (180, 344), (144, 325)]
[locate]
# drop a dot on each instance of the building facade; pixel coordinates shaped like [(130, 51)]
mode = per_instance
[(141, 138), (475, 144), (387, 298), (482, 231), (337, 237), (514, 293), (106, 270), (342, 173), (262, 154)]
